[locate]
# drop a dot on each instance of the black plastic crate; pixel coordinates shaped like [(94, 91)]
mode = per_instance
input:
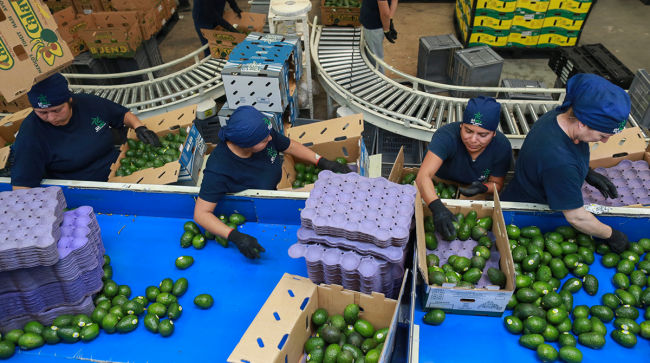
[(520, 83), (153, 55), (389, 144), (209, 129), (146, 57), (84, 63), (621, 75)]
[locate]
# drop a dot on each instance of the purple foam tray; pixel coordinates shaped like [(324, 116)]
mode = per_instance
[(78, 250), (390, 253), (632, 181), (46, 317), (360, 209)]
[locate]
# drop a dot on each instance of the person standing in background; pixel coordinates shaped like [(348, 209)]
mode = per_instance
[(376, 17), (207, 14), (183, 6)]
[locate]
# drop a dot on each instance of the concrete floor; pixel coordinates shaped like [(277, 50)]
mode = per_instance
[(620, 25)]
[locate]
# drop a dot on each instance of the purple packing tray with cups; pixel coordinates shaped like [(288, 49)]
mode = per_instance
[(46, 317), (360, 209), (632, 181), (464, 249), (79, 246)]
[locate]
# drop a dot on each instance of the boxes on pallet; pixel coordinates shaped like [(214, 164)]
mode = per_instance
[(9, 127), (16, 105), (461, 8), (343, 16), (170, 8), (70, 23), (534, 5), (523, 37), (149, 24), (340, 137), (480, 66), (486, 36), (499, 5), (526, 18), (134, 5), (276, 118), (88, 6), (492, 19), (551, 37), (253, 76), (58, 5), (273, 40), (118, 34), (222, 42), (565, 19), (576, 6), (108, 5), (31, 47)]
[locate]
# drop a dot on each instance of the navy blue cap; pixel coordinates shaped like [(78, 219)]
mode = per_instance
[(484, 112), (246, 127), (50, 92)]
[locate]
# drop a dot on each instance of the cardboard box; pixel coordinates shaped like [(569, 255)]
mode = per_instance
[(494, 19), (161, 125), (575, 6), (525, 18), (194, 151), (283, 325), (9, 127), (498, 5), (108, 5), (169, 8), (222, 42), (523, 37), (551, 37), (87, 7), (58, 5), (629, 144), (331, 139), (31, 48), (565, 19), (332, 15), (70, 23), (533, 5), (490, 301), (134, 5), (486, 36), (16, 105), (117, 34), (264, 41)]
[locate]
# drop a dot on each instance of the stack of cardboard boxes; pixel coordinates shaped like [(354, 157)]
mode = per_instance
[(521, 23), (222, 41)]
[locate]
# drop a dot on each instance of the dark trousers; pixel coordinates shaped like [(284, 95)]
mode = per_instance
[(200, 25)]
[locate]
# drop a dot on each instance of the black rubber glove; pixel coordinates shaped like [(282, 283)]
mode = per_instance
[(147, 136), (247, 245), (618, 241), (333, 166), (232, 29), (392, 30), (389, 36), (602, 183), (473, 189), (238, 12), (443, 218)]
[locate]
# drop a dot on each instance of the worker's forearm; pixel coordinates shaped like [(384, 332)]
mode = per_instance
[(384, 14), (426, 187), (17, 187), (301, 151), (211, 223), (494, 185), (585, 222), (132, 121), (393, 8)]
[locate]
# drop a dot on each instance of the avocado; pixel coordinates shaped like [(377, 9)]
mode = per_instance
[(644, 327), (355, 338), (330, 334), (166, 285), (556, 316), (81, 320), (157, 309), (203, 301), (190, 226), (581, 270), (546, 353), (453, 277), (166, 327), (428, 225), (437, 278), (184, 262), (434, 317), (565, 326), (351, 313), (551, 300), (569, 248), (543, 274), (597, 326), (581, 311), (625, 297), (590, 284), (602, 249), (522, 281), (486, 242), (166, 299), (566, 340), (611, 301), (512, 303), (644, 298), (581, 326), (531, 262), (364, 328), (472, 275), (627, 311), (109, 323), (319, 317), (621, 281), (186, 239), (542, 287), (432, 260), (108, 273), (531, 341), (555, 283), (63, 320), (338, 322), (513, 324), (98, 315), (573, 285), (132, 307), (530, 232), (430, 240), (356, 352), (180, 287), (152, 292), (368, 345), (525, 310), (69, 334), (174, 311), (33, 327), (89, 332), (313, 343), (151, 322), (237, 219), (638, 278), (485, 222), (567, 299), (587, 255), (199, 241), (30, 340), (569, 353), (553, 248), (478, 233), (535, 324), (519, 253), (623, 337), (591, 340), (625, 267), (513, 231), (602, 312), (461, 264)]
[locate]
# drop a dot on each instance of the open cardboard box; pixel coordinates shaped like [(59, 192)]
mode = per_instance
[(222, 42), (118, 34), (398, 172), (332, 15), (9, 127), (88, 7), (283, 325), (162, 125), (16, 105), (70, 23), (629, 144), (339, 137), (31, 48), (490, 301)]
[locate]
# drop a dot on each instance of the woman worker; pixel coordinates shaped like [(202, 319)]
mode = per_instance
[(553, 162), (68, 137), (207, 14), (247, 158), (470, 152)]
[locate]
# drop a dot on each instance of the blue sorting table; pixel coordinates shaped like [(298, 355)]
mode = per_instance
[(464, 338)]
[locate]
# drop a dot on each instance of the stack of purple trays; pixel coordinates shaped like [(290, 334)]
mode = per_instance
[(632, 180), (355, 231), (46, 291)]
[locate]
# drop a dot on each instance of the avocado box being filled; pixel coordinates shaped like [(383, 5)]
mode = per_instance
[(462, 297), (290, 317)]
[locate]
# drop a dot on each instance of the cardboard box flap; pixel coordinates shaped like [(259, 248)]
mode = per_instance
[(339, 129), (629, 144), (64, 16), (221, 36), (169, 121), (10, 125), (396, 172), (249, 21), (124, 19)]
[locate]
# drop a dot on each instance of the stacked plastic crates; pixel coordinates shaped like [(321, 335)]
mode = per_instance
[(595, 59), (521, 23)]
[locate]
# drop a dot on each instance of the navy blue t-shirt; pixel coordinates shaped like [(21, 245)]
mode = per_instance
[(83, 149), (457, 163), (226, 172), (550, 168), (369, 15)]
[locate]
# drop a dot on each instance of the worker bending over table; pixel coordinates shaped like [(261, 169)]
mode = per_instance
[(470, 152), (553, 162), (247, 158)]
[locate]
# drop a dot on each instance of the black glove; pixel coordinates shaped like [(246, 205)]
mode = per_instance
[(333, 166), (443, 218), (618, 241), (147, 136), (602, 183), (238, 12), (247, 245), (389, 36), (232, 29), (473, 189), (392, 30)]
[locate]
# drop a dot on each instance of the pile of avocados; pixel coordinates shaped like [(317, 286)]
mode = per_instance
[(344, 339), (114, 312), (542, 307), (342, 3), (192, 235), (309, 174), (142, 156), (462, 271)]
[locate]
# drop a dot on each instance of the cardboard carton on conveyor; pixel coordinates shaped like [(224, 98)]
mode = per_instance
[(31, 48), (222, 41), (265, 40), (70, 23)]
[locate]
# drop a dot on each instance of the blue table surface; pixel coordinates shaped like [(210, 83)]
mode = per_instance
[(143, 251)]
